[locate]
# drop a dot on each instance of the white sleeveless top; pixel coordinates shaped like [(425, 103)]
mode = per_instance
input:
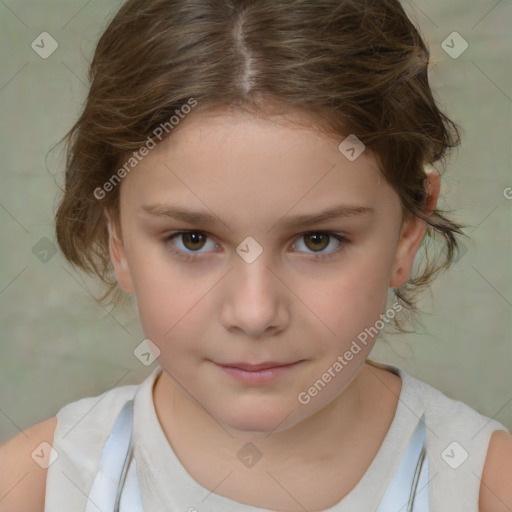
[(456, 439)]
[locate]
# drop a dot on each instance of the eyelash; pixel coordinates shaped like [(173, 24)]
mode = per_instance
[(192, 257)]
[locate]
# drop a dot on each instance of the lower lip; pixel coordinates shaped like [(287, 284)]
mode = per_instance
[(260, 376)]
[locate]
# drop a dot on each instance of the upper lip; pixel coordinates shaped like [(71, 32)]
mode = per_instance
[(255, 367)]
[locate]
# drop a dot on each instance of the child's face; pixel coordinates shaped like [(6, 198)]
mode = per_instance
[(285, 306)]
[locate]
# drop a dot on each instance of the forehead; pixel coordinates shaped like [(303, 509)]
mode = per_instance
[(242, 135), (238, 162)]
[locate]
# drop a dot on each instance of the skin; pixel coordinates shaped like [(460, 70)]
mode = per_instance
[(285, 306)]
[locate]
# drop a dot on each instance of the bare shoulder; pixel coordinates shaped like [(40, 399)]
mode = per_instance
[(496, 484), (22, 479)]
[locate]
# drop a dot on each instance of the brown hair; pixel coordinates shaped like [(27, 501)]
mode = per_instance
[(353, 67)]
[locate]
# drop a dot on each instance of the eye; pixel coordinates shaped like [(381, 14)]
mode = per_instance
[(193, 241), (319, 240)]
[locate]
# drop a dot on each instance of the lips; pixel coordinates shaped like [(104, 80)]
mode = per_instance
[(248, 367), (251, 374)]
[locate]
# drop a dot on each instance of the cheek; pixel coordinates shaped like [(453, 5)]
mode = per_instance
[(166, 299), (167, 319), (169, 313), (353, 299)]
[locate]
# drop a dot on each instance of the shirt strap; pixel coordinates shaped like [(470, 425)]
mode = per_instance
[(116, 465), (408, 489)]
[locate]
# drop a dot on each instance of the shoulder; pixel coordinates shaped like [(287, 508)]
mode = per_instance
[(76, 435), (478, 447), (452, 418), (22, 479), (82, 429), (495, 487)]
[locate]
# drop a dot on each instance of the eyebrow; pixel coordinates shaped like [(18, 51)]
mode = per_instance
[(204, 218)]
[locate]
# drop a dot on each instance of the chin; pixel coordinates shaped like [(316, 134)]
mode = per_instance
[(262, 419)]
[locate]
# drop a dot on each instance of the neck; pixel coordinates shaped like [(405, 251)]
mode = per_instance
[(339, 424)]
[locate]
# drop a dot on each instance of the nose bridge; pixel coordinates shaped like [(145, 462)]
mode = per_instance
[(253, 300), (252, 268)]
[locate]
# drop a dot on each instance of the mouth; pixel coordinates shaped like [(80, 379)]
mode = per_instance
[(249, 367), (260, 373)]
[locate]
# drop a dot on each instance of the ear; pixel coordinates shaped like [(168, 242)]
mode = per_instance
[(118, 256), (413, 232)]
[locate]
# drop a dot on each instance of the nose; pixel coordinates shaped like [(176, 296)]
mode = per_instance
[(255, 301)]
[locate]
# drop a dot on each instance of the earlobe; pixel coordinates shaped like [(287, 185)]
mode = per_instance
[(412, 234), (118, 257)]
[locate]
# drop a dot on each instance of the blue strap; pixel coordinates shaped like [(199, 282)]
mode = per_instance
[(116, 488), (115, 465), (130, 499), (408, 489)]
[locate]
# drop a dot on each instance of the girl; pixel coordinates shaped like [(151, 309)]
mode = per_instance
[(259, 175)]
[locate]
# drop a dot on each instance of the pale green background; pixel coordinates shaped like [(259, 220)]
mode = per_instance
[(59, 345)]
